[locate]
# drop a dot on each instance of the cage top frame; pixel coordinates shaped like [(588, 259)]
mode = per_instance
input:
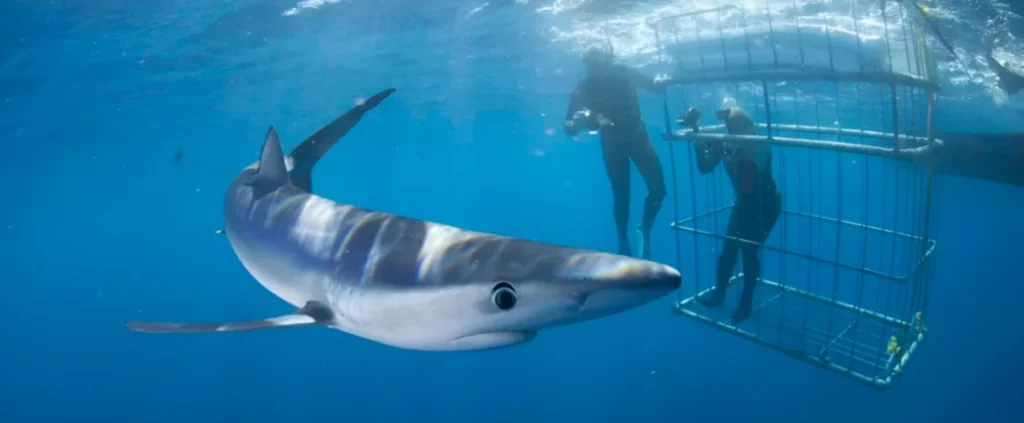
[(776, 71)]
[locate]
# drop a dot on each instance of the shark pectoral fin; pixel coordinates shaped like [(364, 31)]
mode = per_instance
[(271, 173), (313, 313), (312, 149), (273, 322)]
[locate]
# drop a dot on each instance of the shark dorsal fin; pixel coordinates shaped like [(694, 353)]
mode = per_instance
[(271, 173)]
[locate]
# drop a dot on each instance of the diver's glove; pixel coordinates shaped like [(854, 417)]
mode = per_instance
[(592, 121), (578, 121), (690, 118)]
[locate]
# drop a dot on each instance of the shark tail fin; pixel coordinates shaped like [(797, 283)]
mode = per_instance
[(312, 149), (271, 173), (1008, 80), (990, 50), (312, 314)]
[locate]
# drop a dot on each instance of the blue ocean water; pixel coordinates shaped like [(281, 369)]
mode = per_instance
[(102, 226)]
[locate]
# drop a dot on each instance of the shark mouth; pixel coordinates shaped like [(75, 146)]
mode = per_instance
[(492, 340)]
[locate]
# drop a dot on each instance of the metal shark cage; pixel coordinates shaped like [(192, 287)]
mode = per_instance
[(847, 114)]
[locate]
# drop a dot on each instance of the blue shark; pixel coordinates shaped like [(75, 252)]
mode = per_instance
[(1009, 80), (404, 282)]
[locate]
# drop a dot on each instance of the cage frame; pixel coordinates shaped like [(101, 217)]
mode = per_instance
[(895, 363), (926, 255), (916, 148)]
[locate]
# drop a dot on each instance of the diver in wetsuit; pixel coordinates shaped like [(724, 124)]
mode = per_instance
[(607, 100), (757, 207)]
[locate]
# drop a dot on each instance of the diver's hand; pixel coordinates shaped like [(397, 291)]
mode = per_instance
[(569, 127)]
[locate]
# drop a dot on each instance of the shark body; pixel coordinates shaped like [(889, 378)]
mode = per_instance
[(1009, 80), (405, 282)]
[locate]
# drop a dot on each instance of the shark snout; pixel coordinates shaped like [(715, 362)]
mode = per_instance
[(621, 283), (660, 276), (630, 273)]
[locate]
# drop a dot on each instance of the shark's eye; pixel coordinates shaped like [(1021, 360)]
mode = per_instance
[(503, 295)]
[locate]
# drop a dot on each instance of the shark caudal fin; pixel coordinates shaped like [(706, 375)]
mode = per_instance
[(271, 173), (1011, 82), (312, 314), (309, 152)]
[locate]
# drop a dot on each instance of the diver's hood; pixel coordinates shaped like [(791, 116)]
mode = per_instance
[(727, 103)]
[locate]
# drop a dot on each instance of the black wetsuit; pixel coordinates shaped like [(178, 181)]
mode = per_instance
[(612, 94), (757, 208)]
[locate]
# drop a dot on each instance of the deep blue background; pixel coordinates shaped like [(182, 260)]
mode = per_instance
[(99, 226)]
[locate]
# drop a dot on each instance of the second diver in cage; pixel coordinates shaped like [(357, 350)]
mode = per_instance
[(757, 207)]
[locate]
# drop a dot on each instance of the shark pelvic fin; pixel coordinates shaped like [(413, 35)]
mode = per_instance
[(271, 173), (312, 314), (312, 149)]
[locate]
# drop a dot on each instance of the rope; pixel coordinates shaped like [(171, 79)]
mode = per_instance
[(839, 183), (867, 192), (672, 164), (799, 227), (926, 280), (675, 198), (693, 189)]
